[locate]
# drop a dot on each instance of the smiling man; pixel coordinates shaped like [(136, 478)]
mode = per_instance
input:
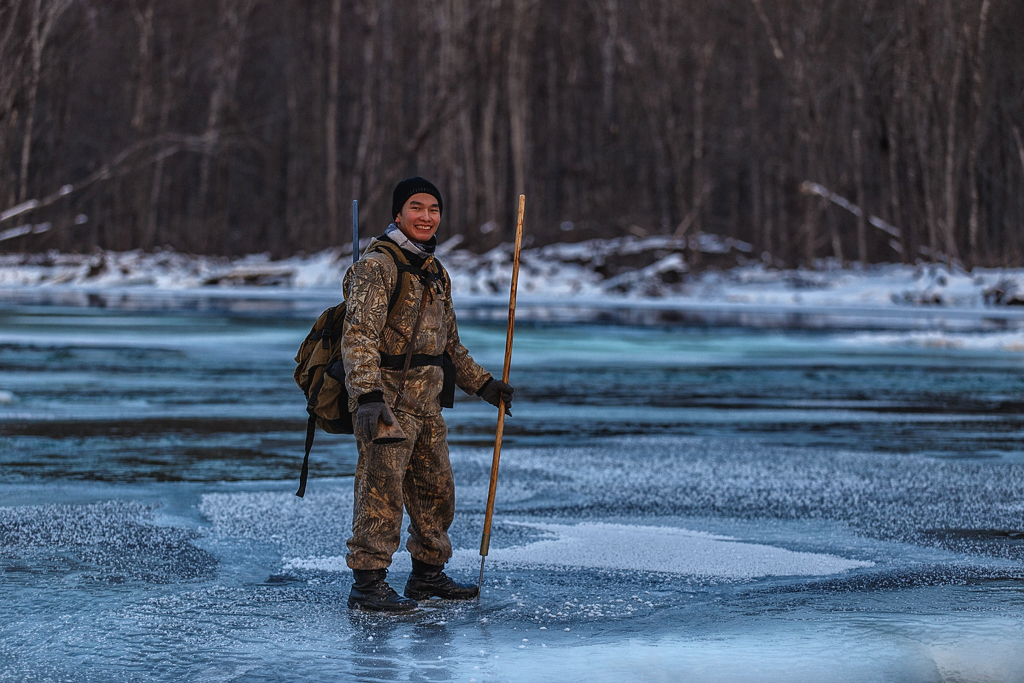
[(403, 359)]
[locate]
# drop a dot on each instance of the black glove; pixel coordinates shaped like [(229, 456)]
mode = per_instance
[(494, 390), (368, 414)]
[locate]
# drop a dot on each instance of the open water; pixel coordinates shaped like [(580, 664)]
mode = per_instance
[(676, 502)]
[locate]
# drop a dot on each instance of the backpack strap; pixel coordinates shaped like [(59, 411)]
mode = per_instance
[(424, 275), (399, 259), (325, 334), (314, 392), (310, 433), (404, 266), (419, 360)]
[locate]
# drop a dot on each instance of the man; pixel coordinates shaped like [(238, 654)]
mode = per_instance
[(383, 392)]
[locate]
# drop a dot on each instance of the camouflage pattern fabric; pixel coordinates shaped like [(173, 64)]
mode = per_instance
[(368, 333), (415, 472)]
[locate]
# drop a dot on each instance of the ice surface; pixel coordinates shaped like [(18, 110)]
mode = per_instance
[(859, 655), (675, 502), (114, 541), (318, 520)]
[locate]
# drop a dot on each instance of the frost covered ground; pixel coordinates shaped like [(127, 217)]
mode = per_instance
[(676, 502)]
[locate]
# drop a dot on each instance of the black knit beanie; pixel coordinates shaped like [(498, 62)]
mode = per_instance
[(408, 188)]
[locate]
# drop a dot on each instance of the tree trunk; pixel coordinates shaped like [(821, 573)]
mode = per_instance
[(552, 185), (45, 14), (949, 224), (11, 58), (488, 160), (293, 169), (897, 108), (926, 139), (234, 15), (143, 17), (36, 41), (334, 231), (524, 18), (157, 181), (611, 11), (701, 186), (977, 84), (143, 91), (366, 99), (858, 168), (752, 105)]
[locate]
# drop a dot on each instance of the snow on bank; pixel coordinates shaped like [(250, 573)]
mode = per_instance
[(1012, 342), (699, 271)]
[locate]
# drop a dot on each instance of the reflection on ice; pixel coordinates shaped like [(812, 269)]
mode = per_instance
[(963, 648)]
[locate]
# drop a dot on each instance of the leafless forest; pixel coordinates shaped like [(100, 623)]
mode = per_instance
[(865, 130)]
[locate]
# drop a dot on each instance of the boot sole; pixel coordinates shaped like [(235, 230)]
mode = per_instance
[(360, 607), (418, 595)]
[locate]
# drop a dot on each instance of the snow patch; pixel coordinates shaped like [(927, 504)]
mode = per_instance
[(621, 547), (666, 550)]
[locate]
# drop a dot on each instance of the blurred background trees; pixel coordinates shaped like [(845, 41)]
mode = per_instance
[(865, 130)]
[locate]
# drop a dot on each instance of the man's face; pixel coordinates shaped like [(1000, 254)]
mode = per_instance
[(420, 217)]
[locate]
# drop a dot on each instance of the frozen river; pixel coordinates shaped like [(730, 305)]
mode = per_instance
[(676, 503)]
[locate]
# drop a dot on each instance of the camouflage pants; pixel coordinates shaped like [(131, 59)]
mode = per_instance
[(415, 472)]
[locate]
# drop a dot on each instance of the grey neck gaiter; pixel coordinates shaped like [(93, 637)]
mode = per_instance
[(422, 249)]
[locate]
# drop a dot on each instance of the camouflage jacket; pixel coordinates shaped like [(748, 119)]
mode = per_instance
[(368, 333)]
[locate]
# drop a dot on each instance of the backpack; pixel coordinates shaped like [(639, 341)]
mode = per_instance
[(320, 370)]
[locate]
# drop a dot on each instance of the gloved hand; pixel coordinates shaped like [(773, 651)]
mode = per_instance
[(494, 390), (368, 414)]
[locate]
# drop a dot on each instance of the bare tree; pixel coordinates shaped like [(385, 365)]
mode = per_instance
[(11, 58), (977, 112), (524, 22), (43, 17), (617, 118), (226, 63), (331, 119)]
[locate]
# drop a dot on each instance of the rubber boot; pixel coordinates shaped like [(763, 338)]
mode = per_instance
[(370, 591), (430, 581)]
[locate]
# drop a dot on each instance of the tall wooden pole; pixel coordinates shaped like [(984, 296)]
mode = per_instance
[(485, 542)]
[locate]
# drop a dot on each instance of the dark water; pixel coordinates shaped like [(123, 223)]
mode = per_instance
[(691, 502)]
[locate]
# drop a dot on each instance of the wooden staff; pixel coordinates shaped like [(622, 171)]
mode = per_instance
[(485, 542)]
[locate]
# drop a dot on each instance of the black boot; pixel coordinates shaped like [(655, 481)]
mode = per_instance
[(430, 581), (370, 591)]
